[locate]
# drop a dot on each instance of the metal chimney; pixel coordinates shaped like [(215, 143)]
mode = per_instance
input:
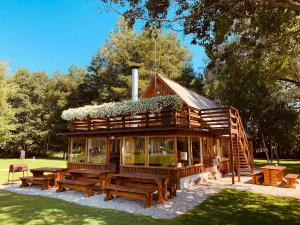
[(135, 83)]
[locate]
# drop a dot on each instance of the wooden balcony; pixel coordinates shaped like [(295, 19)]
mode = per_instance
[(206, 120)]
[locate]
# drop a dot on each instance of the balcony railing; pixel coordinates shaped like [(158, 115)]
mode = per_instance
[(207, 119)]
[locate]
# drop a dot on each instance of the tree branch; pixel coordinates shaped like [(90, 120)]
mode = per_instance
[(290, 81)]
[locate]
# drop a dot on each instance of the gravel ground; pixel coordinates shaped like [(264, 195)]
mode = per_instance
[(185, 200), (246, 185)]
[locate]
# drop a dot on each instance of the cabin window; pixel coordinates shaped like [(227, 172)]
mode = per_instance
[(134, 151), (208, 150), (182, 151), (97, 151), (78, 150), (196, 151), (161, 151)]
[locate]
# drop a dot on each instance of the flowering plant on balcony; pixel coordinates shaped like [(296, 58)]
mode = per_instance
[(113, 109)]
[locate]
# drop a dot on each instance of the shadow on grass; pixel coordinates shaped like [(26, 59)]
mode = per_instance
[(228, 207), (24, 209)]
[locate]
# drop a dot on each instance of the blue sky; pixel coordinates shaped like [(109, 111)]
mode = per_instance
[(54, 34)]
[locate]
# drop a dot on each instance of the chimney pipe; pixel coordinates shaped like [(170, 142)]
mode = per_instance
[(135, 83)]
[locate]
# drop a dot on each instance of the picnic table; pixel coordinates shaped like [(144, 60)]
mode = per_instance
[(273, 174), (160, 182), (101, 176), (56, 172)]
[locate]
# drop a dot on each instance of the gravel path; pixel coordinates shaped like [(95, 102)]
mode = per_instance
[(246, 185), (185, 200)]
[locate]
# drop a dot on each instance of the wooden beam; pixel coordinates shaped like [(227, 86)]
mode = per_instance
[(231, 148), (238, 158)]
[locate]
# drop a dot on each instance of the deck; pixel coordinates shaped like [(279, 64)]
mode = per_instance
[(218, 120)]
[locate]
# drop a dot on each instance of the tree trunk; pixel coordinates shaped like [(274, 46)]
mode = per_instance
[(276, 153), (265, 148), (271, 152)]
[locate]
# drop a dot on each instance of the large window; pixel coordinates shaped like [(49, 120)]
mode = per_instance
[(208, 150), (182, 151), (97, 151), (134, 151), (78, 150), (196, 151), (161, 151)]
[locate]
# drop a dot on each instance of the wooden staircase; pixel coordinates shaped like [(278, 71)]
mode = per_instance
[(227, 122)]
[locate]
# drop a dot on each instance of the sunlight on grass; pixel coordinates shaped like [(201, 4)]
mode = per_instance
[(293, 166), (4, 165)]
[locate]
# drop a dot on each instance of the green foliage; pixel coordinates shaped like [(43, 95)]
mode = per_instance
[(109, 76), (37, 102), (6, 113)]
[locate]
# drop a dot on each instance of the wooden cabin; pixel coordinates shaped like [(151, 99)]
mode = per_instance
[(184, 143)]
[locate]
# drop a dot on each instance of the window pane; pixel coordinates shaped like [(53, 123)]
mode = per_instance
[(208, 151), (182, 151), (97, 151), (161, 151), (78, 150), (196, 151), (134, 151)]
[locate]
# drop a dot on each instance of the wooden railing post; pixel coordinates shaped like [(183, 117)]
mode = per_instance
[(231, 147)]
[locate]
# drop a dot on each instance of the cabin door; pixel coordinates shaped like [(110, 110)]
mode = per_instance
[(114, 155)]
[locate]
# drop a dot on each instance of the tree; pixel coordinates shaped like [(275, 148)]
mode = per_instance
[(109, 77), (62, 93), (6, 113), (275, 23), (29, 102)]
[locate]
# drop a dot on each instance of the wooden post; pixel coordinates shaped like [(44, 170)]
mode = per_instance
[(147, 150), (107, 152), (238, 158), (231, 146), (175, 149), (189, 150), (147, 119)]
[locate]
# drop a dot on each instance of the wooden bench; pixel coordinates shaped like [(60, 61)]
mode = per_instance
[(257, 177), (76, 184), (44, 181), (292, 180), (130, 192)]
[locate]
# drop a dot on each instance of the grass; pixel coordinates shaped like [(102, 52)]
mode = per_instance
[(4, 165), (293, 166), (227, 207)]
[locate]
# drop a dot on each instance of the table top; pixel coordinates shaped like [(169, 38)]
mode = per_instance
[(89, 171), (48, 169), (142, 175), (269, 167)]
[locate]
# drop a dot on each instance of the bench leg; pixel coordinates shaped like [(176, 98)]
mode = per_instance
[(108, 196), (88, 192), (60, 188), (45, 185), (291, 183), (148, 200), (173, 192), (24, 183)]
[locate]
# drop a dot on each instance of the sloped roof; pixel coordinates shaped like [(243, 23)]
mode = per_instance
[(190, 97)]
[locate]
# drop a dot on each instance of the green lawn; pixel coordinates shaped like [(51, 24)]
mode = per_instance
[(228, 207), (293, 166), (4, 165)]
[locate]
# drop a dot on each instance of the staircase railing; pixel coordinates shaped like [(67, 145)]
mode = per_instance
[(242, 138)]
